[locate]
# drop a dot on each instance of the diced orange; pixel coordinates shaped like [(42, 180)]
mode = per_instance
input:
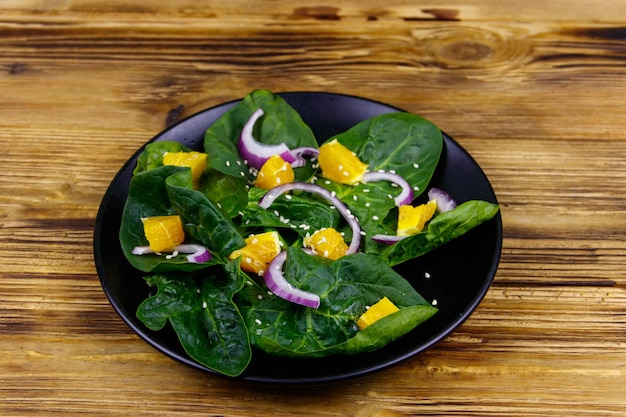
[(259, 251), (327, 242), (275, 171), (381, 309), (163, 232), (411, 220), (340, 164), (194, 160)]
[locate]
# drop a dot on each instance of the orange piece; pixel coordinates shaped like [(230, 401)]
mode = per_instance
[(411, 220), (275, 171), (259, 251), (381, 309), (327, 242), (163, 232), (340, 164), (194, 160)]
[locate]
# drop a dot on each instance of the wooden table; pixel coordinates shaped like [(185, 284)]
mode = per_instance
[(533, 90)]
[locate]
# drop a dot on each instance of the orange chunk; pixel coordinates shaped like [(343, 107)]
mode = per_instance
[(327, 242), (381, 309), (340, 164), (163, 232), (411, 220), (275, 171), (194, 160), (259, 251)]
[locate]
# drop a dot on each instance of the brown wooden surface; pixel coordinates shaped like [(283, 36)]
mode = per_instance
[(534, 90)]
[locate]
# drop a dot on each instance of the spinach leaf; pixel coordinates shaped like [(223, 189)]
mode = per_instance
[(401, 142), (387, 329), (152, 155), (301, 214), (281, 123), (147, 197), (203, 219), (229, 192), (346, 287), (441, 229), (207, 322)]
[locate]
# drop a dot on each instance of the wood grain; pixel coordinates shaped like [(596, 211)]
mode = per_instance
[(533, 90)]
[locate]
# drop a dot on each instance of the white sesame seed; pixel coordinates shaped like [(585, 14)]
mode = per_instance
[(390, 196), (332, 193), (426, 275), (367, 204), (392, 171), (326, 254), (416, 188), (362, 233), (243, 174), (354, 197), (340, 167), (346, 174), (393, 184), (332, 207), (227, 163), (204, 304), (366, 190), (374, 217), (327, 182), (255, 241), (257, 321), (416, 166), (259, 297), (238, 162), (435, 302), (248, 260), (288, 196)]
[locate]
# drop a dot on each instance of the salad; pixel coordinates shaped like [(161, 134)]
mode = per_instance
[(267, 239)]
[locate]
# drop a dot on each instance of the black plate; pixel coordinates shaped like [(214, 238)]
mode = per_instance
[(460, 272)]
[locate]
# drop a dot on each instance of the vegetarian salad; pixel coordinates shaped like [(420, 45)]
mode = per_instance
[(268, 240)]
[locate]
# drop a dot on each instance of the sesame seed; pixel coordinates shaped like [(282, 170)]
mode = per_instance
[(259, 297), (276, 213), (288, 196), (362, 233), (392, 171), (327, 182), (435, 302), (346, 174), (366, 190), (239, 163), (257, 321), (367, 204), (354, 197), (248, 260), (332, 193), (393, 184), (332, 207), (426, 275), (204, 305), (381, 170), (227, 163), (198, 291), (416, 166), (340, 167), (243, 174), (375, 217), (390, 196), (416, 188), (326, 254), (261, 272), (255, 241)]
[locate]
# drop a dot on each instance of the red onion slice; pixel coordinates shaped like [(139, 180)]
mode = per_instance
[(196, 253), (276, 192), (443, 200), (387, 239), (299, 153), (276, 282), (405, 196), (256, 153)]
